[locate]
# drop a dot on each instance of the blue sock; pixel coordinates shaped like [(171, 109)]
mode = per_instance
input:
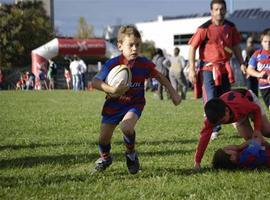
[(130, 142), (104, 151)]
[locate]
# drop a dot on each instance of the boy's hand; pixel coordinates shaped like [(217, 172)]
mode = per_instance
[(197, 166), (176, 99), (263, 75), (120, 89)]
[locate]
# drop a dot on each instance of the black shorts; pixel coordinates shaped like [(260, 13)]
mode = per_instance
[(266, 96)]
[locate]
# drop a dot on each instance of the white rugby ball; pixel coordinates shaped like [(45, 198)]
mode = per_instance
[(118, 74)]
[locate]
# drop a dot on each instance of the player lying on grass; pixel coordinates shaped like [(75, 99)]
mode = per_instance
[(250, 154), (235, 107), (126, 110)]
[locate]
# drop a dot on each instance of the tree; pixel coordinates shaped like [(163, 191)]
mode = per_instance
[(84, 30), (23, 27)]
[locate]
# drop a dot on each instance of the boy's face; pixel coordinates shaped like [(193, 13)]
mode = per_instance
[(226, 117), (130, 47), (266, 42)]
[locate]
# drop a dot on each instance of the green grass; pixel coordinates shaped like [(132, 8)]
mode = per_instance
[(49, 139)]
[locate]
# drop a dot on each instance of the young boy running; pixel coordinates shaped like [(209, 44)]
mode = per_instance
[(234, 107), (126, 110)]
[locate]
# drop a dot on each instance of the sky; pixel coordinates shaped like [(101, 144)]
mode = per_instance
[(101, 13)]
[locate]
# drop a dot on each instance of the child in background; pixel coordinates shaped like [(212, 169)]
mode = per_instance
[(67, 75), (259, 66), (126, 109)]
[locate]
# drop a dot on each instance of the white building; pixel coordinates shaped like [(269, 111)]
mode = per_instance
[(170, 32)]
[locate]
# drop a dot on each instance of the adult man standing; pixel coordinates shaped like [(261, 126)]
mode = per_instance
[(176, 72), (75, 72), (217, 40)]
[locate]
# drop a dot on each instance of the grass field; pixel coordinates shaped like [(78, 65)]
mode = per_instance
[(48, 145)]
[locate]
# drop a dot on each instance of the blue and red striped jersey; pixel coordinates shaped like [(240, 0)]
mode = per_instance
[(141, 69), (260, 61)]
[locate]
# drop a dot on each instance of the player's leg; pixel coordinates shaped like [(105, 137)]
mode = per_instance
[(265, 122), (104, 147), (127, 126), (209, 92)]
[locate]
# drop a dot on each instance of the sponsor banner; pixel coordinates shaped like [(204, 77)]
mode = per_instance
[(80, 47)]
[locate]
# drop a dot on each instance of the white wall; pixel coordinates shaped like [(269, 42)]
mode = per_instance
[(162, 32)]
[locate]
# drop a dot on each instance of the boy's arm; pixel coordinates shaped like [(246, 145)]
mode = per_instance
[(174, 95), (101, 85), (237, 147), (252, 72), (205, 136)]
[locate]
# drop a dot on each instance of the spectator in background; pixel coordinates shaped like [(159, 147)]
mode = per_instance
[(159, 61), (252, 82), (21, 84), (42, 79), (52, 72), (30, 81), (82, 74), (67, 75), (75, 72), (217, 39), (176, 73)]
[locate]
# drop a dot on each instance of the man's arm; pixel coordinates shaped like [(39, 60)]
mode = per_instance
[(238, 55), (191, 62)]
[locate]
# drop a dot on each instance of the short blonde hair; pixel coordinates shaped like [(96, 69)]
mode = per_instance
[(128, 30)]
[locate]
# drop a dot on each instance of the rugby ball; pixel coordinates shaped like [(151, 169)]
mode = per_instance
[(118, 74)]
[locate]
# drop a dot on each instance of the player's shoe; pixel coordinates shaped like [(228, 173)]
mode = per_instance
[(214, 135), (133, 163), (102, 164)]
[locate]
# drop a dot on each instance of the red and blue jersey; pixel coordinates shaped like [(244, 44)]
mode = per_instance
[(260, 61), (141, 69), (254, 155)]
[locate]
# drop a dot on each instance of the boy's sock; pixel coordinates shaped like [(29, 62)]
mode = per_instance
[(104, 151), (130, 142)]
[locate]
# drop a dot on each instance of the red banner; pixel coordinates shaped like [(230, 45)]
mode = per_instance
[(81, 47)]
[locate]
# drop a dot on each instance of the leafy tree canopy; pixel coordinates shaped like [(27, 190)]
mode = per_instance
[(23, 27)]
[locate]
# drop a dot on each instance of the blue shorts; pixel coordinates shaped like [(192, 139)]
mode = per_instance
[(116, 118)]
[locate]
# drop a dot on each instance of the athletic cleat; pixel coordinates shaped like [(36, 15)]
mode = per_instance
[(101, 164), (133, 164), (214, 135)]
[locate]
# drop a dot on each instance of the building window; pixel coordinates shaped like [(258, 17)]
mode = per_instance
[(181, 39)]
